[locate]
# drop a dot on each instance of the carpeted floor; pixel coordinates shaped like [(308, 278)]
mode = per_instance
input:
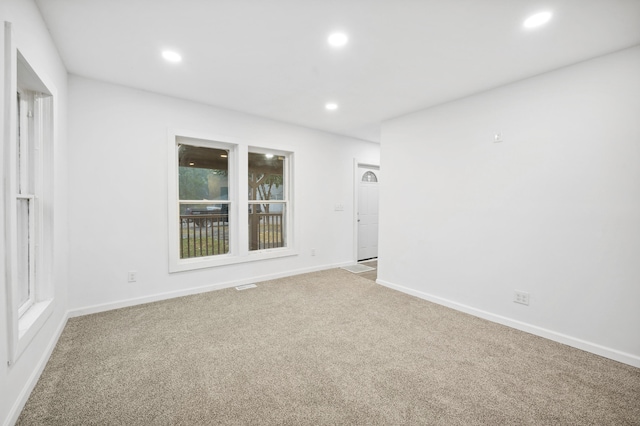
[(324, 348)]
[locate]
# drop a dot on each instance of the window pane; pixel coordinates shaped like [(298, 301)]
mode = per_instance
[(267, 225), (203, 173), (266, 177), (24, 267), (19, 148), (25, 143), (267, 221), (204, 229), (369, 177)]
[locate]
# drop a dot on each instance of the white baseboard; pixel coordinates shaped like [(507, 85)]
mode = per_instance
[(594, 348), (23, 397), (195, 290)]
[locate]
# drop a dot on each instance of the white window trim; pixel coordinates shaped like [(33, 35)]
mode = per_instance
[(287, 201), (238, 182), (25, 323)]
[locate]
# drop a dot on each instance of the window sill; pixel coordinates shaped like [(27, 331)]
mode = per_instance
[(31, 322), (228, 259)]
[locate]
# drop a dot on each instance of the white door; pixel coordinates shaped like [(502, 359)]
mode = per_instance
[(368, 212)]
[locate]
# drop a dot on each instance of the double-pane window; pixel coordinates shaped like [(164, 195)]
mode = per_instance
[(267, 201), (203, 186), (28, 205), (26, 210), (229, 203)]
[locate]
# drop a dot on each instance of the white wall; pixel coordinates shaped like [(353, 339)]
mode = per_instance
[(32, 39), (118, 193), (553, 210)]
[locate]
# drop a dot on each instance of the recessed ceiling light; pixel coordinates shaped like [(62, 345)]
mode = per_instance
[(331, 106), (537, 20), (338, 39), (171, 56)]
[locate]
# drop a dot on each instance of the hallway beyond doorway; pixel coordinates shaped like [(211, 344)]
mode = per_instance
[(370, 275)]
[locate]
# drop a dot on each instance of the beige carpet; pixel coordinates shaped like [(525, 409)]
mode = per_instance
[(322, 348)]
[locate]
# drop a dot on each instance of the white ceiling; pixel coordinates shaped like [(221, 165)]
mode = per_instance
[(270, 57)]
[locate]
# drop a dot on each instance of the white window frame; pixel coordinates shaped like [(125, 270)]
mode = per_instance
[(25, 320), (30, 161), (238, 198), (286, 195)]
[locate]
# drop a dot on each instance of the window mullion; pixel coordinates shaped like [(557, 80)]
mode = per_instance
[(243, 200), (204, 201)]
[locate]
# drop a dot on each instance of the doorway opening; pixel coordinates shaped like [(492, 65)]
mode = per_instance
[(368, 177)]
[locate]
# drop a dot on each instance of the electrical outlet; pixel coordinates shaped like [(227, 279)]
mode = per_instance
[(132, 277), (313, 252), (521, 297), (339, 207)]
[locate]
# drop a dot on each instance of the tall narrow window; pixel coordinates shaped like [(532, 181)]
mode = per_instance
[(203, 186), (26, 208), (268, 201), (29, 201)]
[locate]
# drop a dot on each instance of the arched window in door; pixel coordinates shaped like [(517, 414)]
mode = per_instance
[(369, 177)]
